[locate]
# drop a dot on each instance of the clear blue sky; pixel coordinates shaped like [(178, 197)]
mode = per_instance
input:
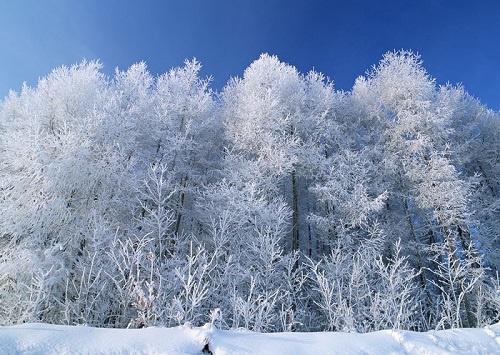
[(459, 40)]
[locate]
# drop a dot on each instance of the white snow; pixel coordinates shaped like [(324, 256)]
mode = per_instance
[(39, 338)]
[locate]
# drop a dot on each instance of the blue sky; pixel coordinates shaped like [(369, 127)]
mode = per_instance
[(459, 40)]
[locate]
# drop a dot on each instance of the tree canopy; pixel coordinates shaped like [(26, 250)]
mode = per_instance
[(277, 204)]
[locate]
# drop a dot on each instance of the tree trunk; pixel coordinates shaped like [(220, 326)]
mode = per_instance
[(422, 276), (295, 214)]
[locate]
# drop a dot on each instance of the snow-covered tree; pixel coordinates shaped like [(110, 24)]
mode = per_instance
[(278, 204), (52, 181), (262, 113)]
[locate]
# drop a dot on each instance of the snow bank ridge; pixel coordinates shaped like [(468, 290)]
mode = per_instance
[(40, 338)]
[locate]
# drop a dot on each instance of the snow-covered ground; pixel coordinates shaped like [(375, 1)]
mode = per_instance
[(38, 338)]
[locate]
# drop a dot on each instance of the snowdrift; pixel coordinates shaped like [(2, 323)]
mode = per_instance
[(39, 338)]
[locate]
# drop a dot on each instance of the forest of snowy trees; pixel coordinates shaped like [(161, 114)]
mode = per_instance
[(276, 204)]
